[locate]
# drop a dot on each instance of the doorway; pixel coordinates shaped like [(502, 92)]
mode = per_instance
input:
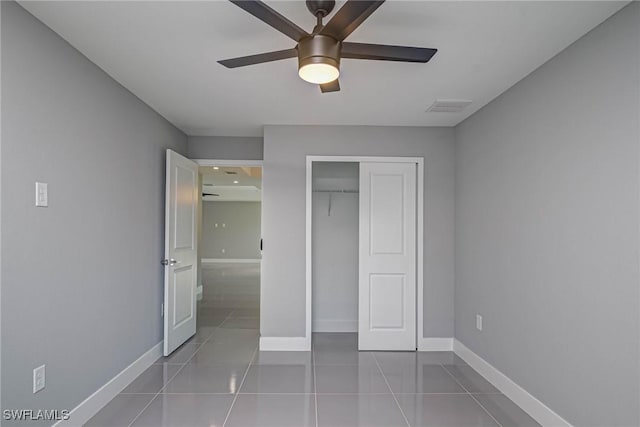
[(377, 203), (229, 245)]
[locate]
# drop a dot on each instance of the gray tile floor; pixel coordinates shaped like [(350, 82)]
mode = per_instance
[(219, 378)]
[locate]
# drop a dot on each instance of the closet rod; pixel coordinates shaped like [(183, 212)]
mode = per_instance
[(336, 191)]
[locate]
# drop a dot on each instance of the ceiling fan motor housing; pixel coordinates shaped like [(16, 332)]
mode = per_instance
[(319, 49)]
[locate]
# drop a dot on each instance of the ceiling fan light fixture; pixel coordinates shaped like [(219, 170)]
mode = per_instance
[(318, 73), (319, 59)]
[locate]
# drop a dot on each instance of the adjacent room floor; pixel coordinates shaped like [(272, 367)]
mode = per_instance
[(219, 378), (229, 286)]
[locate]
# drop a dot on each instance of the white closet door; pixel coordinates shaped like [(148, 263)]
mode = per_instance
[(387, 276)]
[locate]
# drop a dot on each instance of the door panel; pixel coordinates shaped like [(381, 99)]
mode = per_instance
[(386, 301), (180, 251), (387, 271), (387, 220), (185, 208), (183, 308)]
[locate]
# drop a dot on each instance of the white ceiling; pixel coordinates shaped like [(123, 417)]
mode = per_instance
[(231, 184), (165, 52)]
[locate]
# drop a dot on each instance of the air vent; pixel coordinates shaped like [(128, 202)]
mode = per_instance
[(448, 105), (231, 173)]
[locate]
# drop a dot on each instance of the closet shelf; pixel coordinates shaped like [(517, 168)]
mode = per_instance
[(336, 191)]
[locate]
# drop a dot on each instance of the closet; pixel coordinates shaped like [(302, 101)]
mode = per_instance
[(335, 246), (364, 225)]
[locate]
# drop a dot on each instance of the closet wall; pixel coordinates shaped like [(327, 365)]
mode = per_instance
[(335, 247)]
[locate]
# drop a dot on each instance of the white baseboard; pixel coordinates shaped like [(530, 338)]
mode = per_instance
[(92, 404), (536, 409), (435, 344), (335, 325), (285, 344), (230, 260)]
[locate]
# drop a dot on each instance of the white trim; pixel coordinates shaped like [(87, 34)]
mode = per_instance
[(435, 344), (536, 409), (308, 243), (358, 159), (230, 260), (420, 254), (419, 231), (330, 325), (221, 162), (92, 404), (285, 344)]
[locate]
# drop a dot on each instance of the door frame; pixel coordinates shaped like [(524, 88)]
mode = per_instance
[(419, 162), (228, 163)]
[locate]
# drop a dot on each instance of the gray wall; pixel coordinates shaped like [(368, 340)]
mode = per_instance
[(335, 249), (238, 230), (283, 269), (225, 147), (82, 279), (547, 228)]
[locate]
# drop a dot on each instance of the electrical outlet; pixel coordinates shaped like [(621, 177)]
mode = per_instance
[(38, 379), (478, 322)]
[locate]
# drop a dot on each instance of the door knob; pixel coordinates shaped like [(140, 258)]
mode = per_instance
[(169, 262)]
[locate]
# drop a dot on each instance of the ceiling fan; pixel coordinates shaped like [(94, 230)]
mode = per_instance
[(319, 53)]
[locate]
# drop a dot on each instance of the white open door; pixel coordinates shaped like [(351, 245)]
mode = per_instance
[(387, 277), (181, 251)]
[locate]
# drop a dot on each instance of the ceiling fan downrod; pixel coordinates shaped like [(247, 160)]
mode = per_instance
[(319, 9)]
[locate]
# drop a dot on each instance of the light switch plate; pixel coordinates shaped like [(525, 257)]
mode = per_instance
[(38, 378), (42, 195)]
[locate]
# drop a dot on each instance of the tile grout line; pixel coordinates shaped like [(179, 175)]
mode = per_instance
[(268, 393), (315, 382), (178, 371), (328, 393), (391, 390), (220, 325), (471, 394), (246, 372)]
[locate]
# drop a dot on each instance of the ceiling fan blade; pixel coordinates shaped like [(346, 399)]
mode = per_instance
[(259, 58), (383, 52), (333, 86), (271, 17), (349, 17)]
